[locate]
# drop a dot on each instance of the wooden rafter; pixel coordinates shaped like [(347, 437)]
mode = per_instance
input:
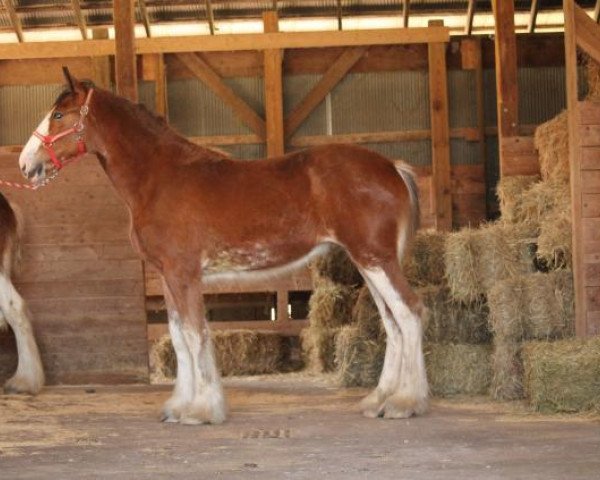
[(470, 15), (597, 11), (125, 58), (210, 16), (145, 17), (14, 18), (212, 80), (339, 14), (330, 79), (273, 88), (405, 12), (80, 19), (535, 5), (587, 33)]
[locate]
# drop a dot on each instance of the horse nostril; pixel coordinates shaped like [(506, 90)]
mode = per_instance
[(35, 171), (23, 168)]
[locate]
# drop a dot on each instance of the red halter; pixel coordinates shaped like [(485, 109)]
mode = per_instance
[(49, 140)]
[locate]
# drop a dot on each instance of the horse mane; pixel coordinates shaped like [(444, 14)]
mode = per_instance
[(155, 123)]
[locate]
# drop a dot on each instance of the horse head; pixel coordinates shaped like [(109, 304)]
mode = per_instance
[(60, 136)]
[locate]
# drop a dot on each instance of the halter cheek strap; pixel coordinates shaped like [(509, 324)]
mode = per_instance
[(77, 129)]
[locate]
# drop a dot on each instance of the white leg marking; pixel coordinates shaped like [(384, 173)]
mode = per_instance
[(29, 377), (412, 390)]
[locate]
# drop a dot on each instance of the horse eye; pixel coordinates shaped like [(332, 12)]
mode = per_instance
[(57, 116)]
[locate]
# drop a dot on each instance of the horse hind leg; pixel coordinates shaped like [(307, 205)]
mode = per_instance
[(410, 395), (373, 405), (29, 377)]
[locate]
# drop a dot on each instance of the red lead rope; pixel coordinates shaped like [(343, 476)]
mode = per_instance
[(48, 144)]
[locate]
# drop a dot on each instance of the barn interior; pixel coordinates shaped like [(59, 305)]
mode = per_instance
[(495, 105)]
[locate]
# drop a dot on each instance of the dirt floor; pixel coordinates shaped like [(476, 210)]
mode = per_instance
[(285, 427)]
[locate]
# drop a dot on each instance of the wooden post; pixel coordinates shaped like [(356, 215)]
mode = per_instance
[(125, 59), (160, 87), (575, 168), (440, 134), (506, 72), (101, 65), (273, 78)]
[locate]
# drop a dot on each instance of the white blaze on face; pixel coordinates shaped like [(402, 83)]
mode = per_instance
[(30, 149)]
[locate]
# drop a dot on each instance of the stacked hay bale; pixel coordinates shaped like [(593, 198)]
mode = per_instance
[(237, 352), (336, 282)]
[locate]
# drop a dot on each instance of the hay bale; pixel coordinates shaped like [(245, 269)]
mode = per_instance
[(237, 352), (551, 139), (424, 262), (331, 304), (555, 243), (507, 370), (366, 318), (458, 369), (509, 191), (359, 360), (451, 322), (476, 259), (563, 376), (336, 266), (592, 73), (534, 306), (318, 348), (543, 200)]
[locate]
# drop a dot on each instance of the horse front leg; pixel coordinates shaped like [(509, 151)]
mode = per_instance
[(29, 377), (203, 400)]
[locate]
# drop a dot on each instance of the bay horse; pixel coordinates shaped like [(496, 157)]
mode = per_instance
[(29, 377), (200, 217)]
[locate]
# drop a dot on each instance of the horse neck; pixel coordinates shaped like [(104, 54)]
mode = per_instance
[(126, 142)]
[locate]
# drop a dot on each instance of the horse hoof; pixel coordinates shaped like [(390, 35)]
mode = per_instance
[(398, 406), (21, 386), (373, 404)]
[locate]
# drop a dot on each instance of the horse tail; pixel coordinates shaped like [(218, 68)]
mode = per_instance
[(15, 247), (408, 232)]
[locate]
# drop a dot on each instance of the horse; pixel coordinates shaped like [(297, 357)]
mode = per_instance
[(202, 218), (29, 377)]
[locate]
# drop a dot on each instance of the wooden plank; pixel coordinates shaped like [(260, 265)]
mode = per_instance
[(587, 33), (218, 140), (90, 287), (519, 156), (588, 113), (14, 19), (589, 135), (80, 18), (216, 43), (593, 324), (590, 205), (590, 230), (273, 87), (592, 295), (470, 15), (533, 11), (161, 103), (240, 108), (590, 158), (440, 135), (590, 182), (319, 92), (145, 17), (100, 65), (125, 60), (596, 15), (592, 274), (405, 12)]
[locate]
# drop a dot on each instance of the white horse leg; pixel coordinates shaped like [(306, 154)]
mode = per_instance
[(29, 377), (183, 393), (208, 405), (411, 394), (373, 404)]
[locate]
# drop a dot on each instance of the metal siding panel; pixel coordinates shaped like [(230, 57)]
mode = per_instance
[(463, 152), (541, 94), (462, 98), (295, 88), (367, 102), (417, 153), (146, 95), (22, 108)]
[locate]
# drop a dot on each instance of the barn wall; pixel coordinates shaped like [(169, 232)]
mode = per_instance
[(80, 278)]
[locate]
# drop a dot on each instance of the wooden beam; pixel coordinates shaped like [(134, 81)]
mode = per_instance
[(587, 33), (210, 18), (125, 60), (15, 21), (160, 87), (533, 16), (440, 136), (240, 108), (145, 17), (273, 83), (101, 65), (233, 42), (575, 167), (405, 12), (332, 77), (506, 71), (597, 11), (80, 19), (470, 15), (339, 14)]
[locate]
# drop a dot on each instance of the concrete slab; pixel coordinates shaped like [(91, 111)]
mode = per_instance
[(281, 427)]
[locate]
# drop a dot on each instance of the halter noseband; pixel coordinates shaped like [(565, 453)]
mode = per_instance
[(49, 140)]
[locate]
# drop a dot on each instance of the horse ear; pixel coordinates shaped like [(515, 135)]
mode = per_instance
[(70, 80)]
